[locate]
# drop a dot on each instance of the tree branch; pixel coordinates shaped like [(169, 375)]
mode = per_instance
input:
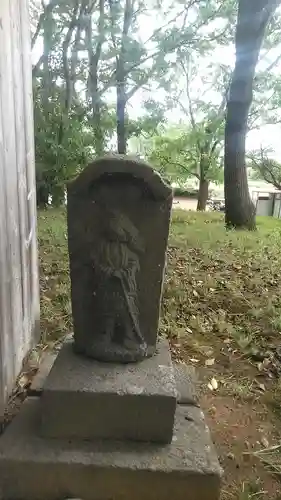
[(213, 148), (47, 10), (139, 85), (266, 170), (185, 169), (191, 114), (75, 49), (65, 47)]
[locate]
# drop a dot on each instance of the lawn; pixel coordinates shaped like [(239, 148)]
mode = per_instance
[(221, 311)]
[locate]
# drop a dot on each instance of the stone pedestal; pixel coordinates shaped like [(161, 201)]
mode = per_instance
[(36, 468), (86, 399)]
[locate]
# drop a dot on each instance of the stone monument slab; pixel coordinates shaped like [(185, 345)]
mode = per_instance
[(89, 399), (118, 214)]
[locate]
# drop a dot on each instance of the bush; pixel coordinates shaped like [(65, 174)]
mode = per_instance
[(187, 193)]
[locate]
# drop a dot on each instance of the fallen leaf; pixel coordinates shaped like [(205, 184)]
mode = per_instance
[(262, 387), (210, 362), (196, 294), (23, 381), (194, 360), (247, 444), (266, 362), (213, 384), (206, 350), (264, 442)]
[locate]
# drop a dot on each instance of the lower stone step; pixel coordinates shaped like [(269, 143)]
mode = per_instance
[(36, 468)]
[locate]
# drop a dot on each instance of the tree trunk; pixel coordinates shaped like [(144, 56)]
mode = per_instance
[(58, 196), (121, 78), (203, 195), (74, 58), (65, 60), (45, 25), (47, 46), (93, 89), (120, 112), (252, 20), (42, 196), (239, 209)]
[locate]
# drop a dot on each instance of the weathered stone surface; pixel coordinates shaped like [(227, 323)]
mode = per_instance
[(118, 224), (33, 468), (88, 399), (44, 369), (187, 384)]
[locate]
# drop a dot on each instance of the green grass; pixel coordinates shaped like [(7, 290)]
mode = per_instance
[(224, 282), (252, 491), (56, 319), (218, 283)]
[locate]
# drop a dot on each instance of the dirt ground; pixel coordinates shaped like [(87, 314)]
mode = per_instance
[(240, 422), (184, 203)]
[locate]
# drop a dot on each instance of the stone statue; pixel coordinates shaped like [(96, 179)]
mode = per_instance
[(115, 263)]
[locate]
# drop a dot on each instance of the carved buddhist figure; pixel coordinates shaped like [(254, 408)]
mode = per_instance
[(115, 260)]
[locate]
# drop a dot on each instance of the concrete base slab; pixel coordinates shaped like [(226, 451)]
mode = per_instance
[(87, 399), (185, 376), (44, 369), (187, 384), (35, 468)]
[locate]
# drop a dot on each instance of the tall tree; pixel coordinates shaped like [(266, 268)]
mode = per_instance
[(94, 47), (177, 154), (206, 121), (139, 62), (252, 20), (57, 162)]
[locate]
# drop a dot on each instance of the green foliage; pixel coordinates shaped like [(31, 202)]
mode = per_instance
[(172, 155), (177, 154), (266, 168), (62, 145), (185, 193)]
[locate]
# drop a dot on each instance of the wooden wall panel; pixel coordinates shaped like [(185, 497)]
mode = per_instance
[(19, 296)]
